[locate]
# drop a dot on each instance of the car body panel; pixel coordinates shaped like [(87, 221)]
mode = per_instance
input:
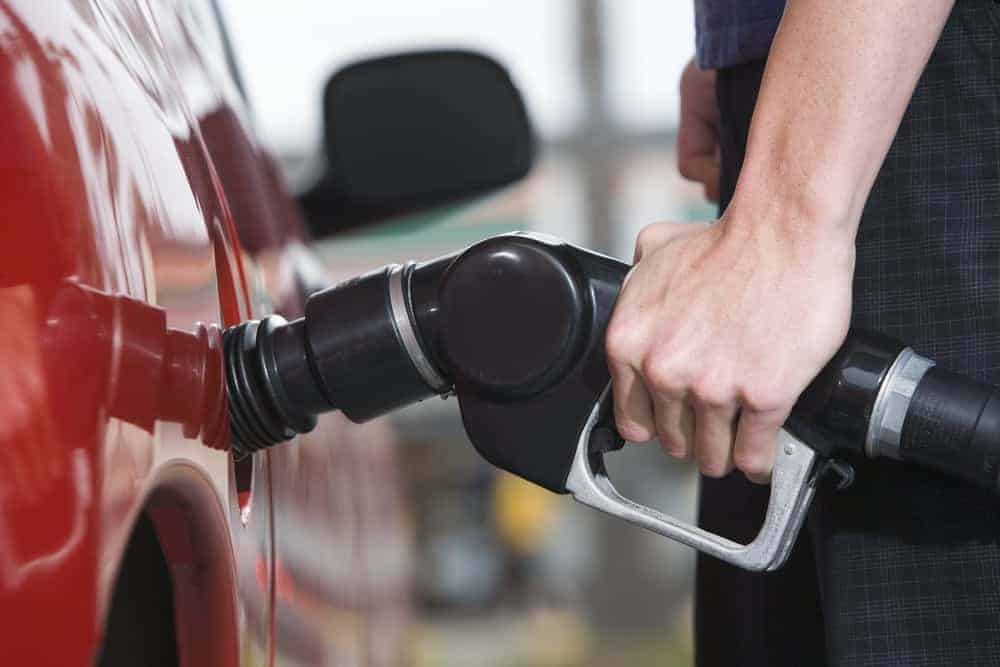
[(109, 185), (137, 206)]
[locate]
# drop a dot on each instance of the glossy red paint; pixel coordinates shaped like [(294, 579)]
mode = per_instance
[(125, 152)]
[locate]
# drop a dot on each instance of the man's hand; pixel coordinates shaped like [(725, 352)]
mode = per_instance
[(698, 131), (717, 331)]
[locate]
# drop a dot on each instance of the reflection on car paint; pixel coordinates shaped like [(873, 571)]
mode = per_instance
[(135, 198)]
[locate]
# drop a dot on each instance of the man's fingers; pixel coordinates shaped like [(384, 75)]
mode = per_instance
[(674, 425), (756, 439), (633, 406), (697, 133), (713, 187), (715, 431), (698, 149), (702, 169)]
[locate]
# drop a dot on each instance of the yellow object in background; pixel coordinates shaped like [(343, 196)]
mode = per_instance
[(523, 512)]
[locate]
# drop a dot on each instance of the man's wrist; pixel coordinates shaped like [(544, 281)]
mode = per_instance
[(792, 230), (794, 209)]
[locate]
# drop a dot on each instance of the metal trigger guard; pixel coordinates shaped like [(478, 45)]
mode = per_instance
[(792, 489)]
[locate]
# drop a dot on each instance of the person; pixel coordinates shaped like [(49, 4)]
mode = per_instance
[(854, 148)]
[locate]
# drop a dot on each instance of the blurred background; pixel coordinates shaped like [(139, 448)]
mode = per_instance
[(506, 573)]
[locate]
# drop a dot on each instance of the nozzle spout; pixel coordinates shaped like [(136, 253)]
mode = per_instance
[(364, 347)]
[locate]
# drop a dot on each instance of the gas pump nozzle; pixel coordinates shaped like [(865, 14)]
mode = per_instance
[(514, 328)]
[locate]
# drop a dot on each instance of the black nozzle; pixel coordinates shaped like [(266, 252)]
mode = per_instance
[(357, 350), (516, 315), (356, 346), (260, 414), (507, 320)]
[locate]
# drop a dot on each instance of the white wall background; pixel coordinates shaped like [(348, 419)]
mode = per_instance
[(288, 49)]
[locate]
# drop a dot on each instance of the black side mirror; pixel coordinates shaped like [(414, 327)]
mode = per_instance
[(415, 130)]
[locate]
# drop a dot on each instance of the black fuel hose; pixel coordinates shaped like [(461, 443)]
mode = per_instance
[(513, 316), (880, 398), (953, 425)]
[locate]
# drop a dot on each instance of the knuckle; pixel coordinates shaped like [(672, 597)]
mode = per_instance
[(662, 376), (647, 239), (644, 237), (711, 394), (619, 345), (765, 397)]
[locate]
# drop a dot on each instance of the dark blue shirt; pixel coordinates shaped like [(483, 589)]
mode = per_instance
[(730, 32)]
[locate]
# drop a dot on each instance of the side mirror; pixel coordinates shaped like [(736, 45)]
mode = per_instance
[(415, 130)]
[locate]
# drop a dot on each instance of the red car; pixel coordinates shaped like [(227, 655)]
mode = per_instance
[(140, 218)]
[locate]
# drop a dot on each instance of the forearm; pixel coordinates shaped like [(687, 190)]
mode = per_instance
[(838, 80)]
